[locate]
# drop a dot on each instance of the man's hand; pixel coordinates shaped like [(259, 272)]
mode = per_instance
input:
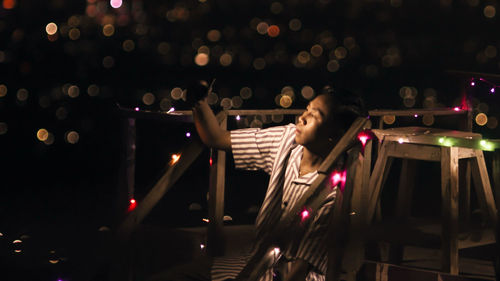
[(197, 90)]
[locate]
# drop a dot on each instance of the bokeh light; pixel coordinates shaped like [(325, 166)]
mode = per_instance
[(295, 24), (108, 30), (115, 3), (9, 4), (237, 101), (61, 113), (262, 28), (3, 128), (214, 35), (273, 31), (316, 50), (259, 63), (51, 28), (285, 101), (389, 119), (226, 59), (72, 137), (276, 8), (73, 91), (22, 95), (93, 90), (148, 98), (489, 11), (428, 119), (481, 119), (333, 66), (74, 34), (307, 92), (176, 93), (492, 122), (42, 134), (3, 90), (226, 103), (201, 59), (108, 62), (245, 93)]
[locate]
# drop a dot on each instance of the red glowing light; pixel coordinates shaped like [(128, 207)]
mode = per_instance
[(211, 161), (364, 136), (132, 205), (9, 4), (273, 31)]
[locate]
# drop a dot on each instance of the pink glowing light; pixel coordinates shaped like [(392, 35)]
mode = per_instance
[(116, 3), (456, 108), (364, 136), (304, 214), (238, 118), (492, 90), (136, 109), (416, 115), (473, 83), (338, 179), (188, 135), (211, 161)]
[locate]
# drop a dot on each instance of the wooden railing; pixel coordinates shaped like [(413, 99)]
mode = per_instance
[(216, 183)]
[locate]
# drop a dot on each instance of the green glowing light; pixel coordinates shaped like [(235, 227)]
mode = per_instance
[(441, 140)]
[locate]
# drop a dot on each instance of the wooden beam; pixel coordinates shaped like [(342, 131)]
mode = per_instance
[(215, 234), (412, 112)]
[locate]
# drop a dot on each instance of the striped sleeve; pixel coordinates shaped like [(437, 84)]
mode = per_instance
[(256, 149)]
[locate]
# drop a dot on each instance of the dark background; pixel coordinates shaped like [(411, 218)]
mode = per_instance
[(398, 54)]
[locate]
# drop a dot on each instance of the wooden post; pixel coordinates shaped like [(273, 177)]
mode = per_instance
[(215, 233), (125, 188), (449, 194)]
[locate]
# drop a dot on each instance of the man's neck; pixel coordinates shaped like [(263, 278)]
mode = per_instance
[(310, 161)]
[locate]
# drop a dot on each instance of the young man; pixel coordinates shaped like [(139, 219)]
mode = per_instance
[(291, 155)]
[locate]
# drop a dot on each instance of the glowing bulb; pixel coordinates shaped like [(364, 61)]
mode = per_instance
[(492, 90), (238, 117), (210, 161), (205, 220), (416, 115), (136, 109), (171, 110), (132, 205), (175, 158), (188, 135), (441, 140), (473, 83), (456, 108), (276, 251), (401, 140), (202, 246), (304, 214)]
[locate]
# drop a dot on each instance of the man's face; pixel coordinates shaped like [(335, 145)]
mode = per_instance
[(312, 129)]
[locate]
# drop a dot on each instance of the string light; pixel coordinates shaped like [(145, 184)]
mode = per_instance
[(490, 84), (175, 158), (338, 178), (132, 204), (304, 215)]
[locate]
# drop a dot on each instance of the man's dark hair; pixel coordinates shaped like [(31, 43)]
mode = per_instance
[(345, 106)]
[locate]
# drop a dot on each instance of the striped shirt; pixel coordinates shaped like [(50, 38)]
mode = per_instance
[(274, 151)]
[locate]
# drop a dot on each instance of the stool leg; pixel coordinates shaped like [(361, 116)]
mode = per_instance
[(483, 187), (449, 197), (376, 181), (403, 203)]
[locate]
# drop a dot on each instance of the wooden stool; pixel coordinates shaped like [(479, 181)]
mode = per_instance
[(447, 147)]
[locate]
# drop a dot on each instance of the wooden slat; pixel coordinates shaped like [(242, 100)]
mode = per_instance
[(405, 189), (414, 151), (483, 186), (449, 196), (376, 181), (216, 202), (412, 112)]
